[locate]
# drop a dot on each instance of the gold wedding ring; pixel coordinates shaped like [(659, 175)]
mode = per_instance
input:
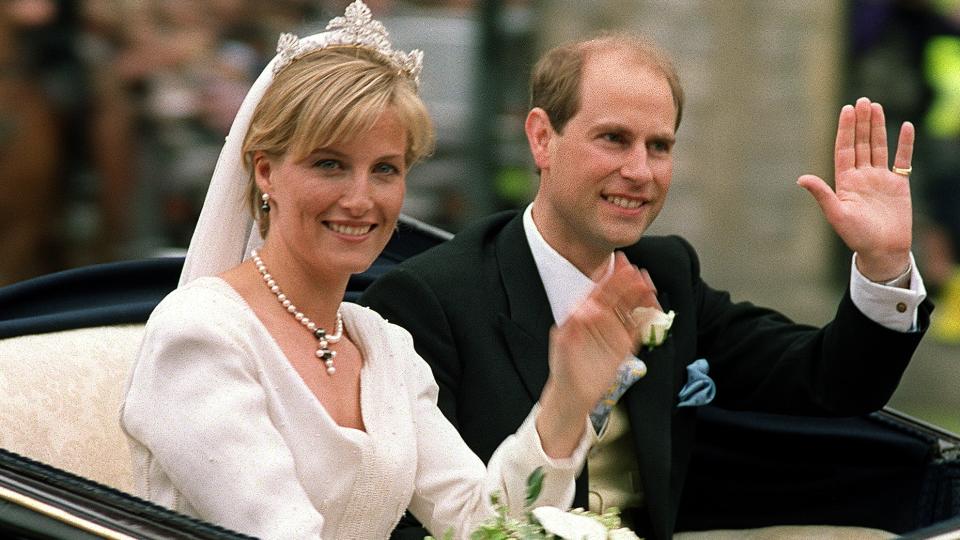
[(902, 172), (624, 318)]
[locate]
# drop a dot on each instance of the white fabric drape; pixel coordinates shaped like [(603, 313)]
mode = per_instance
[(226, 231)]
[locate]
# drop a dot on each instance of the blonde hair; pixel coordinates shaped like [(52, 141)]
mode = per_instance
[(556, 78), (330, 95)]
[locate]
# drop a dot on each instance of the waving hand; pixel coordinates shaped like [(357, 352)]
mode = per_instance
[(870, 207), (587, 350)]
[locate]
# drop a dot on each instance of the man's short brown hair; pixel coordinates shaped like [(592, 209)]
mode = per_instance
[(555, 82)]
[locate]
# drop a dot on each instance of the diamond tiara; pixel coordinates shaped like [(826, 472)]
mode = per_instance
[(358, 28)]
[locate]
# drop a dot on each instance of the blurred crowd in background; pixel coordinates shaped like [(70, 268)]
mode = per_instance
[(112, 113)]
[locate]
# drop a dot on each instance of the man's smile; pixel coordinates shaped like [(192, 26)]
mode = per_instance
[(624, 202)]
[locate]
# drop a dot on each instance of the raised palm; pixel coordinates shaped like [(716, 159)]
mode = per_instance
[(870, 208)]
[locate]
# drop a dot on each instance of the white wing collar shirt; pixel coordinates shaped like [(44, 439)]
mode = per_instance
[(566, 285)]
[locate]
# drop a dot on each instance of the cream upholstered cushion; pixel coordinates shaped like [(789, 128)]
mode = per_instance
[(60, 398)]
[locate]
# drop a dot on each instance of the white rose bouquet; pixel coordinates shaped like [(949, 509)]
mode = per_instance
[(548, 522)]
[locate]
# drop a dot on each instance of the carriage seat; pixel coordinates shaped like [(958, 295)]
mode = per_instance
[(60, 398)]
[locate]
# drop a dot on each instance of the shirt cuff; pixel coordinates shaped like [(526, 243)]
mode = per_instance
[(887, 304)]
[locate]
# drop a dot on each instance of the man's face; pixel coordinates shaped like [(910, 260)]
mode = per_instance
[(605, 178)]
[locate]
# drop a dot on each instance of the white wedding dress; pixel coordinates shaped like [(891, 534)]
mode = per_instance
[(222, 427)]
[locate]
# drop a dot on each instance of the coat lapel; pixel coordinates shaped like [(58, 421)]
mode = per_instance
[(650, 404), (526, 326)]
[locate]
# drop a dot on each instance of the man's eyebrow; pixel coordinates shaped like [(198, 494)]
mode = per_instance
[(666, 137), (619, 127), (612, 125)]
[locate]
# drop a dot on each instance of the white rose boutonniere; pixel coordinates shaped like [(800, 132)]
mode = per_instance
[(653, 323)]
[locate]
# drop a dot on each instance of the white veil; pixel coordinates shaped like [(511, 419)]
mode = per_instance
[(226, 231)]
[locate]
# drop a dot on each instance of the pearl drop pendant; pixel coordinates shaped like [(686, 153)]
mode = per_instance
[(323, 340)]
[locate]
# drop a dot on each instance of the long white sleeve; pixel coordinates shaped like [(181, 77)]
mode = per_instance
[(453, 487)]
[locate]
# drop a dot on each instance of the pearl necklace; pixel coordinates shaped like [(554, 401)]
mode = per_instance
[(323, 340)]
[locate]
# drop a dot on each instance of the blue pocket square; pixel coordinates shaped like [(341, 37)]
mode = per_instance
[(700, 388)]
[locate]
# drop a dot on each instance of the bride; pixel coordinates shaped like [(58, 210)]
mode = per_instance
[(263, 402)]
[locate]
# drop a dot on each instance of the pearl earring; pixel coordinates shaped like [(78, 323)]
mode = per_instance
[(265, 206)]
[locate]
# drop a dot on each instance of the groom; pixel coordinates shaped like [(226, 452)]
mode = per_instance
[(601, 131)]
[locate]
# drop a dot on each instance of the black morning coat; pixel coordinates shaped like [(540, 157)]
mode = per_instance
[(479, 315)]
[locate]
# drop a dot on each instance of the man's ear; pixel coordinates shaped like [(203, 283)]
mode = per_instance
[(539, 134), (262, 167)]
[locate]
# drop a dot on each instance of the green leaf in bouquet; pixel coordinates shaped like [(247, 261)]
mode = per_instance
[(534, 485)]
